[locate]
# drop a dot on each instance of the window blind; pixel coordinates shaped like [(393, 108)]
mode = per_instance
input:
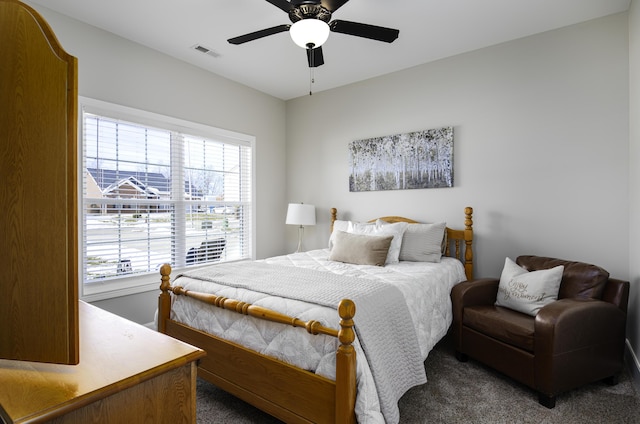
[(153, 195)]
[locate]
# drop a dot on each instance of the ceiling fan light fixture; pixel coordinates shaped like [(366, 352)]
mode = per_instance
[(309, 32)]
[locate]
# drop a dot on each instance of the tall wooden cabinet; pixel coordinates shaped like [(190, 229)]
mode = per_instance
[(38, 191)]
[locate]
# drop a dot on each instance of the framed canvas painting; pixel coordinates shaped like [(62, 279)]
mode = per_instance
[(420, 159)]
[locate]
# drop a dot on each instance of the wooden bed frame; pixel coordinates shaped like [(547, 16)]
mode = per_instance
[(290, 394)]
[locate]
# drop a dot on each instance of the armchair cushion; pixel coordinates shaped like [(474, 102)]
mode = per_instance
[(579, 279), (506, 325), (528, 291)]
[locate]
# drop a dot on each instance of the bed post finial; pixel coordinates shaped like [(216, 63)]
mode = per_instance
[(346, 364), (334, 216), (164, 299), (468, 237), (346, 310)]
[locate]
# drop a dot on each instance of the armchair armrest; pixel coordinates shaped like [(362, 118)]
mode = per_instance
[(617, 292), (570, 333), (571, 324), (482, 291)]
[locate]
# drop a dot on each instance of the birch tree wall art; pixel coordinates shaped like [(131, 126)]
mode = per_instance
[(421, 159)]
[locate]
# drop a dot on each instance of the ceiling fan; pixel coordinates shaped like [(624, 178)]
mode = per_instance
[(311, 26)]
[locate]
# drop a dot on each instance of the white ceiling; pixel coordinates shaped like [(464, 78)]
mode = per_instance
[(429, 30)]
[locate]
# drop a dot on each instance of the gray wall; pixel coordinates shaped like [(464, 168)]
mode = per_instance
[(115, 70), (541, 145), (633, 323), (541, 128)]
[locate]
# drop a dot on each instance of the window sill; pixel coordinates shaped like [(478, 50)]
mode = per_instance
[(96, 291), (102, 290)]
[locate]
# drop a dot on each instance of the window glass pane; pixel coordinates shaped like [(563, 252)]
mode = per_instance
[(154, 196)]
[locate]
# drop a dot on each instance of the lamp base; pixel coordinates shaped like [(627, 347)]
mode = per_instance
[(300, 234)]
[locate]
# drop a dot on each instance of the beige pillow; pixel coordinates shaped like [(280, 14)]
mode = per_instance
[(360, 249), (382, 228)]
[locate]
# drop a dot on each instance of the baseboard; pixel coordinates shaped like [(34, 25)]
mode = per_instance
[(633, 365)]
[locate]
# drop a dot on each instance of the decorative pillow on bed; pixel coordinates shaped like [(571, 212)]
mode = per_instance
[(338, 225), (423, 242), (360, 249), (526, 291), (396, 230), (445, 240)]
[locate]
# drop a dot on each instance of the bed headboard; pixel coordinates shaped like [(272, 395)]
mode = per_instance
[(459, 242)]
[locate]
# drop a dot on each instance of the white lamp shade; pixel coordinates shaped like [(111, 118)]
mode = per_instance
[(309, 31), (301, 214)]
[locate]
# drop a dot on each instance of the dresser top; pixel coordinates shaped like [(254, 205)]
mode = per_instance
[(115, 354)]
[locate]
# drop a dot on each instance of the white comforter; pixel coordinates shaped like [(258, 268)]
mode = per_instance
[(426, 287)]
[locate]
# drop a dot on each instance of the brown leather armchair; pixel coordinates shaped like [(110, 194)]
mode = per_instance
[(575, 340)]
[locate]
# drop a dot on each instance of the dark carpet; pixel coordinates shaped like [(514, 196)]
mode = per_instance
[(464, 393)]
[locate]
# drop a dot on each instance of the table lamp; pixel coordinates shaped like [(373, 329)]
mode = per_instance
[(301, 215)]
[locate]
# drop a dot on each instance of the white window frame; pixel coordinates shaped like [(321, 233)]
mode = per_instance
[(99, 290)]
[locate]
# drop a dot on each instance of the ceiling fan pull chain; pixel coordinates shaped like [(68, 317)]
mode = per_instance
[(311, 78), (311, 81)]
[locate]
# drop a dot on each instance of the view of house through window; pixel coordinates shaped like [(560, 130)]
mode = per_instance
[(154, 196)]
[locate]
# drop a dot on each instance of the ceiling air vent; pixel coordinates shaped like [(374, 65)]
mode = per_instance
[(205, 50)]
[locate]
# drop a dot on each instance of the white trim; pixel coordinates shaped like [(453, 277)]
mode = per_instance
[(161, 121), (110, 288), (95, 291), (633, 365), (254, 212)]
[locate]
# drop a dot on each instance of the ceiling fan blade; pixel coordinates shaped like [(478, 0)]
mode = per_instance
[(333, 5), (284, 5), (259, 34), (315, 57), (364, 30)]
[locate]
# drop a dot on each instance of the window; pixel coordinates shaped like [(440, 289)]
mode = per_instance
[(158, 190)]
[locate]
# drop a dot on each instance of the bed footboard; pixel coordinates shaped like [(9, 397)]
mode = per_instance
[(282, 390)]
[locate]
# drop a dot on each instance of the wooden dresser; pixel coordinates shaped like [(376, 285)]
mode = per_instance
[(127, 374), (64, 361)]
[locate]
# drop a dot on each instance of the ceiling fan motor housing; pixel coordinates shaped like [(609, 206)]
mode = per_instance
[(309, 10)]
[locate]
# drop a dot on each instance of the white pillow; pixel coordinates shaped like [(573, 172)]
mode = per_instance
[(338, 225), (423, 242), (526, 291), (396, 230)]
